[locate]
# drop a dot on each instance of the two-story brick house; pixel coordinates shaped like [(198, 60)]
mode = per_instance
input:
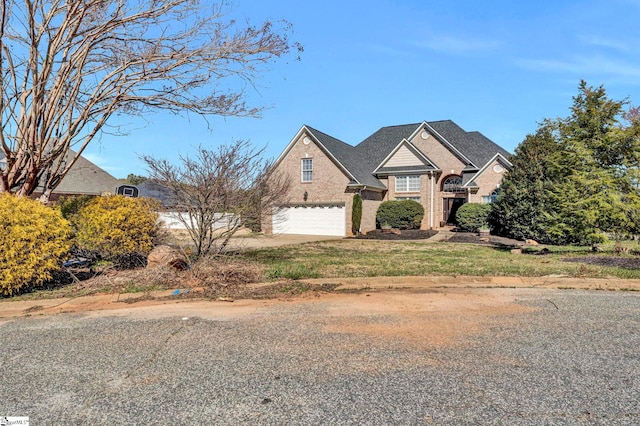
[(435, 163)]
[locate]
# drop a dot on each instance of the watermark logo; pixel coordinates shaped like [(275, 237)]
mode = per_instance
[(14, 421)]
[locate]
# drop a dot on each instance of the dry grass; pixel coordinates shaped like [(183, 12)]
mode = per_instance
[(359, 258), (229, 276)]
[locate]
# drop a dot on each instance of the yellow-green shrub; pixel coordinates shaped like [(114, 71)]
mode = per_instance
[(33, 241), (116, 225)]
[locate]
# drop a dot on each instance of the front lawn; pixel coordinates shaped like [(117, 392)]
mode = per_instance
[(352, 258), (358, 258)]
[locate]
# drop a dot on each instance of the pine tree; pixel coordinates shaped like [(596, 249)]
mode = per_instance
[(523, 200), (592, 193), (577, 179)]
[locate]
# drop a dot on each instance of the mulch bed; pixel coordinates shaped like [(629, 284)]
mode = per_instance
[(621, 262), (408, 234)]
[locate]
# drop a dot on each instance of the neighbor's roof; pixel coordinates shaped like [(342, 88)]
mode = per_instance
[(84, 178), (152, 188)]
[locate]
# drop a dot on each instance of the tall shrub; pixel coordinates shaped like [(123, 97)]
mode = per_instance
[(116, 226), (405, 214), (356, 214), (470, 216), (33, 241)]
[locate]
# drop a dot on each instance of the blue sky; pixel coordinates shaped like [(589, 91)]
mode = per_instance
[(498, 67)]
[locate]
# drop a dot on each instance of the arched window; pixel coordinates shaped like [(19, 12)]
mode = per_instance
[(452, 183)]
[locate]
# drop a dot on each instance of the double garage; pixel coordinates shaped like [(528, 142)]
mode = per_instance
[(311, 219)]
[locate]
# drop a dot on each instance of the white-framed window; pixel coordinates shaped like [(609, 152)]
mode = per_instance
[(452, 184), (408, 198), (488, 199), (410, 183), (307, 170)]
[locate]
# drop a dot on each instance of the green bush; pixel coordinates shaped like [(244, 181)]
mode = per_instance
[(470, 216), (70, 206), (405, 214), (356, 214), (33, 242), (117, 226)]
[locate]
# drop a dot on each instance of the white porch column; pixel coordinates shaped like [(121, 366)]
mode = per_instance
[(431, 202)]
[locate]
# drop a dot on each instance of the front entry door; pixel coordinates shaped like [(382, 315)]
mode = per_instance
[(450, 206)]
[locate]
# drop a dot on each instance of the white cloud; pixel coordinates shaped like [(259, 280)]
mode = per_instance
[(457, 45), (598, 41), (584, 65)]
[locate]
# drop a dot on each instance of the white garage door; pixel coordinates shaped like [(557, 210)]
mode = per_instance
[(312, 220)]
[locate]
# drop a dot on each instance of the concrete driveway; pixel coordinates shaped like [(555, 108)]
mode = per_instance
[(440, 356)]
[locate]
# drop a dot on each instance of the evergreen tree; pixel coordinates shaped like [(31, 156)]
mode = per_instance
[(592, 192), (523, 200), (576, 179)]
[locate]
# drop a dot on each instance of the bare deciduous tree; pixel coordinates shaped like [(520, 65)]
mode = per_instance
[(219, 191), (68, 66)]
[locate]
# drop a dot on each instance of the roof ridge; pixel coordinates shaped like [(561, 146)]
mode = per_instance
[(313, 129)]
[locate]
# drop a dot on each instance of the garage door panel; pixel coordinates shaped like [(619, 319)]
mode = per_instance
[(310, 221)]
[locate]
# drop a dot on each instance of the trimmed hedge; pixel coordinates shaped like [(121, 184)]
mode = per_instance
[(471, 216), (34, 239), (405, 214)]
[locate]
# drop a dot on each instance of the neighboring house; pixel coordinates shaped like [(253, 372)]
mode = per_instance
[(84, 178), (435, 163)]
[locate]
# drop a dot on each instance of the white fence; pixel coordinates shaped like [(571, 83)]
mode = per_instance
[(172, 220)]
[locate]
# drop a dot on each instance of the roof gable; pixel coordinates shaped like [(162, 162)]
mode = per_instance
[(470, 182), (405, 157), (341, 153)]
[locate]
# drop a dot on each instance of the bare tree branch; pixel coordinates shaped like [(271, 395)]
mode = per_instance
[(220, 191), (67, 66)]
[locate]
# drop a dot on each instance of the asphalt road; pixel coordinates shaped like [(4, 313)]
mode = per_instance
[(512, 357)]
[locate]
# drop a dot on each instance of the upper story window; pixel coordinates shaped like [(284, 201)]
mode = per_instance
[(408, 183), (452, 184), (307, 170)]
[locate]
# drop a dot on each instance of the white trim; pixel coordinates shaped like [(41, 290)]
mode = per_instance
[(302, 170), (407, 190), (414, 150), (494, 158), (442, 140), (431, 178)]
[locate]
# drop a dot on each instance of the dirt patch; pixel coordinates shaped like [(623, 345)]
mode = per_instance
[(408, 234), (434, 318)]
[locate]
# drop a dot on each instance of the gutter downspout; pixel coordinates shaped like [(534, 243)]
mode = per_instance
[(431, 202)]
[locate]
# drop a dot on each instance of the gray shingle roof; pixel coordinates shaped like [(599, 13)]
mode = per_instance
[(84, 178), (349, 158), (485, 149), (361, 160), (375, 148), (152, 188)]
